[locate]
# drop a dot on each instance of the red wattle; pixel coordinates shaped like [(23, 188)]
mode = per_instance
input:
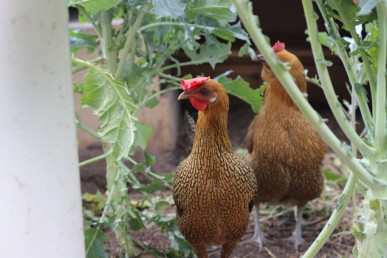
[(199, 105)]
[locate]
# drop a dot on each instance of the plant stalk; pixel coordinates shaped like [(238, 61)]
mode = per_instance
[(244, 10), (347, 194), (334, 219), (95, 159), (364, 57), (81, 67), (380, 112), (109, 53), (340, 51), (129, 44), (328, 89), (102, 219)]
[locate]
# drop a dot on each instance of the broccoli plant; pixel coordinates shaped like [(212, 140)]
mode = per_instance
[(363, 54), (136, 42)]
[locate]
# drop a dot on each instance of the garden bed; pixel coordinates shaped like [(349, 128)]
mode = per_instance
[(277, 222)]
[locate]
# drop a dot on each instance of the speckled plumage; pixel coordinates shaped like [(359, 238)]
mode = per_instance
[(213, 187), (286, 157), (285, 150)]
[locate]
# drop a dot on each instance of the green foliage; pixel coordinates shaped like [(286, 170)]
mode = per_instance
[(345, 11), (333, 176), (79, 40), (168, 8), (220, 10), (357, 34), (134, 59), (94, 240), (210, 54), (94, 6), (111, 101), (360, 54), (240, 88)]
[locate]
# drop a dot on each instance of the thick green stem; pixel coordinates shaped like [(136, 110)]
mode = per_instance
[(328, 89), (244, 10), (109, 53), (334, 219), (348, 192), (130, 44), (380, 113)]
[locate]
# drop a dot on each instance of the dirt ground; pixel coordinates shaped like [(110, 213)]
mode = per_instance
[(277, 223)]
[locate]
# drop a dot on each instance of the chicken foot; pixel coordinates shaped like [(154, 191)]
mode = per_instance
[(296, 237)]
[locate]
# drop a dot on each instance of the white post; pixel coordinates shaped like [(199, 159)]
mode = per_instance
[(40, 199)]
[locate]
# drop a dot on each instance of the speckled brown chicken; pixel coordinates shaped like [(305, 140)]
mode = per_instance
[(285, 150), (213, 188)]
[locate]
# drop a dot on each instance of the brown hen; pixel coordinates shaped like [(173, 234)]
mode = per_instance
[(213, 188), (285, 150)]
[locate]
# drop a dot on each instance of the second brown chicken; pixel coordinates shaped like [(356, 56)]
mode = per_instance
[(285, 150)]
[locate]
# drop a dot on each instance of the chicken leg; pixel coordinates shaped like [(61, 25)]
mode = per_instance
[(258, 237), (296, 237)]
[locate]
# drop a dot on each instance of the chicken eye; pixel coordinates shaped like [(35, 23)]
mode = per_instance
[(204, 91)]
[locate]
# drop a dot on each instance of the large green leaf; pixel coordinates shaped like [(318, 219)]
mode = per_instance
[(113, 104), (211, 54), (168, 8), (94, 6), (221, 10), (241, 89), (229, 33), (345, 11)]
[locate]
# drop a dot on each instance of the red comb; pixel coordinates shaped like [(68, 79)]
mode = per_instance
[(188, 85), (278, 46)]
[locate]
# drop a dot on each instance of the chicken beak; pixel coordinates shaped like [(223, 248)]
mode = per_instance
[(260, 58), (183, 95)]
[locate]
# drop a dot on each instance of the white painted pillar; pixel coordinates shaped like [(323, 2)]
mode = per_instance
[(40, 199)]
